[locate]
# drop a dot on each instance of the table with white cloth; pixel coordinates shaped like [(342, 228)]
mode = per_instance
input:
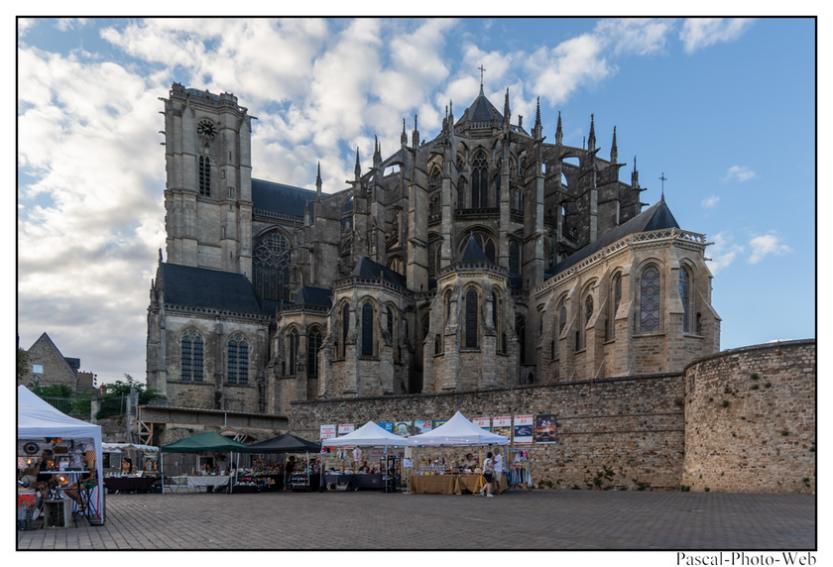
[(201, 482)]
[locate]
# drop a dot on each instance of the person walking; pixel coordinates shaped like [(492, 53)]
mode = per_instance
[(488, 475), (498, 469)]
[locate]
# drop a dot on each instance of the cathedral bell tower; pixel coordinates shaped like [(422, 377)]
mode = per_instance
[(208, 194)]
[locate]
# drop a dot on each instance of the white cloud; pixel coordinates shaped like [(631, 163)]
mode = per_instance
[(697, 33), (24, 25), (637, 36), (67, 24), (739, 173), (765, 244), (710, 202), (723, 253)]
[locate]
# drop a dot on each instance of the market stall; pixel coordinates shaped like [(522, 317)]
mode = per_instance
[(445, 478), (130, 467), (265, 477), (59, 462), (209, 442), (368, 435)]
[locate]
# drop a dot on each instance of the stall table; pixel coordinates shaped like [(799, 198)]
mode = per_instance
[(435, 484), (129, 483), (358, 481)]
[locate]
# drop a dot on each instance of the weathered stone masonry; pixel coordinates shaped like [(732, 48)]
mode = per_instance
[(633, 426), (751, 419)]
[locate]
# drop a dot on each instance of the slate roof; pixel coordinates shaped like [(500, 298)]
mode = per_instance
[(473, 253), (309, 295), (201, 287), (655, 217), (481, 110), (74, 363), (280, 198), (369, 270)]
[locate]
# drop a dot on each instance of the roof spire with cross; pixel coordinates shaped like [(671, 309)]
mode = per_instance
[(482, 70), (663, 179)]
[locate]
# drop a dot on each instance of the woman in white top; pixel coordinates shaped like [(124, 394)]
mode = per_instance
[(488, 474)]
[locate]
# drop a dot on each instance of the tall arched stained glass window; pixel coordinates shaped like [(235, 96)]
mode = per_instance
[(292, 340), (514, 258), (685, 297), (471, 318), (345, 326), (238, 360), (461, 192), (389, 319), (367, 329), (479, 181), (649, 299), (313, 345), (271, 266), (494, 309), (205, 175), (191, 357), (615, 300)]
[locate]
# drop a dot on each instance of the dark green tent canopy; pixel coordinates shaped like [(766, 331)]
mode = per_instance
[(286, 443), (208, 442)]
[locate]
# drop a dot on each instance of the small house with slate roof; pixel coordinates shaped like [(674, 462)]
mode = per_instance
[(484, 256)]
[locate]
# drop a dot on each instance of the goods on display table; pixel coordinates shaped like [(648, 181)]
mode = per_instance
[(207, 443), (59, 466), (260, 477), (130, 467), (354, 470)]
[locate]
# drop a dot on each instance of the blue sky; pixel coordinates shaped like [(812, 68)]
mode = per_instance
[(725, 108)]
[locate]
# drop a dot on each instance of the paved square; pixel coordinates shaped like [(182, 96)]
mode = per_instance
[(368, 520)]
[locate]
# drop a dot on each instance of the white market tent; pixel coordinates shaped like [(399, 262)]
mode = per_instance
[(116, 447), (368, 435), (36, 419), (458, 431)]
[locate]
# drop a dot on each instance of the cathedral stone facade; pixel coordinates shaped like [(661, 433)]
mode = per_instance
[(483, 258)]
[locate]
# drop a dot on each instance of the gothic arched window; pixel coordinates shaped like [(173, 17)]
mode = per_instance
[(685, 297), (649, 299), (496, 183), (313, 345), (615, 300), (345, 327), (479, 181), (490, 250), (367, 329), (205, 175), (271, 266), (461, 192), (191, 357), (520, 330), (447, 306), (434, 256), (292, 345), (471, 318), (389, 319), (484, 240), (514, 258), (238, 360)]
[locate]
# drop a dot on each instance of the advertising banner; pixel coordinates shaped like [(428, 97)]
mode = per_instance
[(386, 425), (483, 423), (345, 428), (404, 428), (435, 423), (522, 430), (327, 432), (502, 425), (422, 425), (545, 428)]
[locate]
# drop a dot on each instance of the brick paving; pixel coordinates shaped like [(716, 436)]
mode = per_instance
[(367, 520)]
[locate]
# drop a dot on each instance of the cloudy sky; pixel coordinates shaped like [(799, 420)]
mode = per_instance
[(724, 107)]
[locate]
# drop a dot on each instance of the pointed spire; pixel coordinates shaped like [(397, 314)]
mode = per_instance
[(415, 133), (634, 174), (377, 152), (559, 132), (451, 115), (318, 182), (403, 138), (358, 169), (614, 148), (507, 114), (538, 111), (591, 138)]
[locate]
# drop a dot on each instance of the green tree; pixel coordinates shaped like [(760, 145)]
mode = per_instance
[(22, 363)]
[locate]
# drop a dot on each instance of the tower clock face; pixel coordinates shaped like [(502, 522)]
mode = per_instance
[(206, 128)]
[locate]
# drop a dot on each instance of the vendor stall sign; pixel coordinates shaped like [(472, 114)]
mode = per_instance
[(502, 425), (345, 428), (522, 430), (422, 425), (545, 428), (327, 432), (404, 428), (483, 423), (386, 425)]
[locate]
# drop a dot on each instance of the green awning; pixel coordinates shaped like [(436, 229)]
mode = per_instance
[(208, 442)]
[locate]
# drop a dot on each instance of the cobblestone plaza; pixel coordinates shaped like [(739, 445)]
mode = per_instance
[(518, 520)]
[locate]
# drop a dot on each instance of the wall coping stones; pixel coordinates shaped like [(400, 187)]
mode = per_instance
[(743, 349)]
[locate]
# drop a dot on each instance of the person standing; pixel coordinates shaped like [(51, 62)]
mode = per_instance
[(498, 469), (488, 475)]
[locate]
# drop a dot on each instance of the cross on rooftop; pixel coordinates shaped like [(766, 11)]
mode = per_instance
[(663, 179), (482, 70)]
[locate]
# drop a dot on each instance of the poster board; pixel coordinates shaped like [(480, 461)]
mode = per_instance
[(345, 428), (545, 428), (404, 428), (386, 425), (422, 425), (522, 429), (435, 423), (483, 423), (502, 425), (327, 431)]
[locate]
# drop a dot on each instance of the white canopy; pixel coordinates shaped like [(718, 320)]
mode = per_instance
[(117, 447), (368, 435), (458, 431), (36, 419)]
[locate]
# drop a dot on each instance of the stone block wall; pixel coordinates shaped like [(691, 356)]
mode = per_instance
[(633, 426), (750, 419)]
